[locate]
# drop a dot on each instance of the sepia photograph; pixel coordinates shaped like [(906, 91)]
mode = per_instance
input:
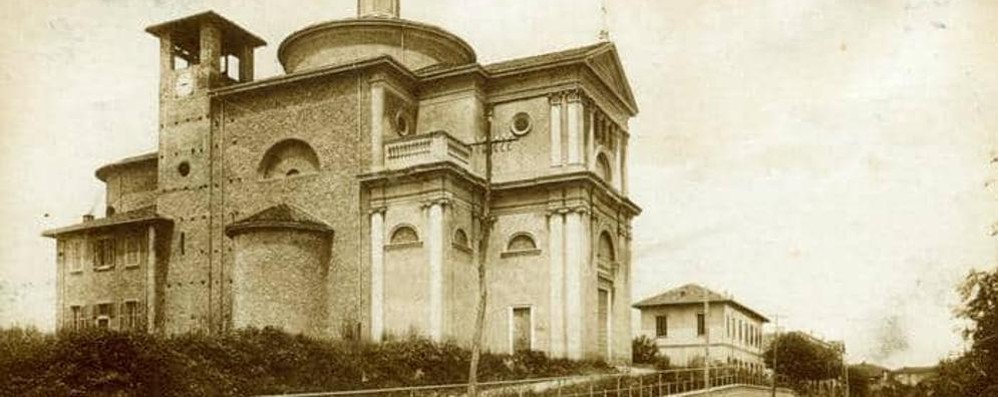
[(485, 198)]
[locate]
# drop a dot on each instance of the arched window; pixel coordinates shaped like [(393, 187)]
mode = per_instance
[(603, 168), (289, 158), (461, 238), (404, 235), (605, 251), (521, 242)]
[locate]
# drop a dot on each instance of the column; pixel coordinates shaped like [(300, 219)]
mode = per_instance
[(556, 245), (211, 52), (151, 286), (165, 62), (590, 157), (555, 129), (609, 323), (435, 239), (377, 126), (624, 142), (246, 64), (377, 274), (575, 124), (575, 252), (618, 170)]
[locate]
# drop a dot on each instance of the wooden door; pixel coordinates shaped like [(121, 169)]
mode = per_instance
[(602, 320), (521, 329)]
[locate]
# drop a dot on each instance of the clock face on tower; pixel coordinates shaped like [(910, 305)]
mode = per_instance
[(184, 84)]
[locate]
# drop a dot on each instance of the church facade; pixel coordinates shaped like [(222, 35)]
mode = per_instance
[(343, 198)]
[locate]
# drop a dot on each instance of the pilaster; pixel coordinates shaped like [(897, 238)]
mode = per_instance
[(556, 101), (575, 125), (435, 242), (575, 263), (377, 273), (556, 247), (377, 126)]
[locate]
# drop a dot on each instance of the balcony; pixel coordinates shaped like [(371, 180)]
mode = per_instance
[(435, 147)]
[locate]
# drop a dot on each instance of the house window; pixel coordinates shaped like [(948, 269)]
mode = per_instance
[(661, 326), (130, 315), (103, 254), (521, 242), (701, 324), (103, 315), (75, 256), (404, 235), (133, 250), (77, 321)]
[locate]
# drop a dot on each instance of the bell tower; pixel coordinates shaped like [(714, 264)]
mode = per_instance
[(198, 53)]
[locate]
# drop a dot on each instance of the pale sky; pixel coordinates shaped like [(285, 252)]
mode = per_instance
[(824, 160)]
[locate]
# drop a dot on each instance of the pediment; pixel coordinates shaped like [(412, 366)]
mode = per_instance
[(605, 63)]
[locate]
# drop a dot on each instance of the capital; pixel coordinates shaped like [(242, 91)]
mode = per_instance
[(575, 96), (556, 98)]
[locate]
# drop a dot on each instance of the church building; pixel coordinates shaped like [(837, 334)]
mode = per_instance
[(343, 198)]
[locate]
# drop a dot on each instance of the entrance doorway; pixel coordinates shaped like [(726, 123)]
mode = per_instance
[(521, 329)]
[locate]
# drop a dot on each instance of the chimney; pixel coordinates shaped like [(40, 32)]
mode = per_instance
[(88, 217), (378, 9)]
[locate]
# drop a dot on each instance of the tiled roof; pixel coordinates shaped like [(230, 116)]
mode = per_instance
[(142, 215), (544, 59), (281, 216), (232, 31), (692, 294)]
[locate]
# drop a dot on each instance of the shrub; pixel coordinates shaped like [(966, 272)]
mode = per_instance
[(643, 350), (244, 362)]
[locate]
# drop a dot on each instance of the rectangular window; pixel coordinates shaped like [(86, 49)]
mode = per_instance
[(130, 315), (662, 326), (133, 249), (75, 256), (103, 315), (701, 324), (77, 321), (103, 254)]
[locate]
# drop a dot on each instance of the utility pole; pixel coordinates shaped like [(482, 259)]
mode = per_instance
[(845, 368), (488, 145), (706, 334), (776, 344)]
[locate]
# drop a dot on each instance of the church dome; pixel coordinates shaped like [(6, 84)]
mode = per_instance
[(377, 31)]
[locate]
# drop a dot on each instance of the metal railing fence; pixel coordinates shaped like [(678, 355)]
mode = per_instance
[(629, 384)]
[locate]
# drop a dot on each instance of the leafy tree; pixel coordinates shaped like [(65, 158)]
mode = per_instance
[(975, 373), (859, 385), (800, 359)]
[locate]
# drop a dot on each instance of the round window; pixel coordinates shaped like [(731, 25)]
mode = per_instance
[(521, 124), (184, 168), (401, 123)]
